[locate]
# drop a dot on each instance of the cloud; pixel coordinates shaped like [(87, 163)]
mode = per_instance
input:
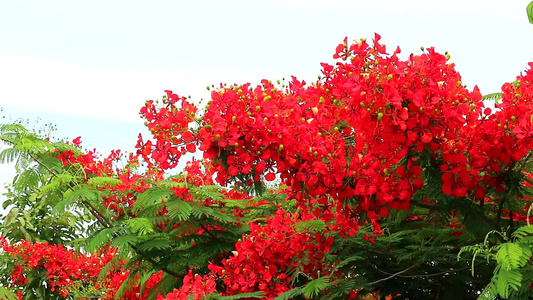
[(62, 88)]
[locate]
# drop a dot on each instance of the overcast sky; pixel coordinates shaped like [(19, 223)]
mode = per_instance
[(88, 66)]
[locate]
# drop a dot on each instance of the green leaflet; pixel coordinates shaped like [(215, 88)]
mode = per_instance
[(523, 231), (101, 181), (155, 243), (83, 193), (235, 297), (313, 288), (100, 239), (510, 256), (494, 96), (290, 294), (506, 280), (141, 226), (178, 209), (312, 225), (9, 155), (27, 180), (151, 197), (13, 213), (7, 294), (199, 211)]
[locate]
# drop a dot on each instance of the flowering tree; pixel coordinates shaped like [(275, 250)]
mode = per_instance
[(384, 178)]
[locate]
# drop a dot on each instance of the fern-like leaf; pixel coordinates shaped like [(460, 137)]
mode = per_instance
[(507, 280), (7, 294), (312, 225), (509, 256), (178, 209), (314, 287), (290, 294), (493, 96), (80, 192), (9, 155), (235, 297), (160, 243), (150, 197), (523, 231), (101, 181), (100, 239), (141, 226)]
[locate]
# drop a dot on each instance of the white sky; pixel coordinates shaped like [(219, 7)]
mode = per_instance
[(88, 66)]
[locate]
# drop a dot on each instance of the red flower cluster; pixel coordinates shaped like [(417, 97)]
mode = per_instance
[(65, 268), (193, 285), (355, 136), (169, 126), (359, 134)]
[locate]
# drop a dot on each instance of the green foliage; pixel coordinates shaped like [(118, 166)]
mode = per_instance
[(513, 260), (312, 225), (7, 294), (254, 295), (314, 287), (493, 97)]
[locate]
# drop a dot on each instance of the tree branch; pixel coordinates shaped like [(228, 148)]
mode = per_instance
[(422, 275), (394, 275)]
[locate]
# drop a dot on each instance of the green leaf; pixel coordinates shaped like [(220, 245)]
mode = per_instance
[(13, 213), (156, 243), (523, 231), (125, 240), (290, 294), (101, 181), (314, 287), (200, 211), (178, 209), (62, 206), (506, 280), (141, 226), (239, 296), (150, 197), (51, 163), (27, 180), (493, 96), (7, 294), (9, 155), (350, 259), (83, 193), (314, 225), (509, 256), (6, 203), (101, 238)]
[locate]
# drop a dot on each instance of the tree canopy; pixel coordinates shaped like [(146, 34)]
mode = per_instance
[(386, 178)]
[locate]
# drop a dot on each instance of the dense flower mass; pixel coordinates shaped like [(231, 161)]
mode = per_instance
[(352, 156), (360, 135), (68, 271)]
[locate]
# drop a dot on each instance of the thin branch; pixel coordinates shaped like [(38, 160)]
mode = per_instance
[(422, 275), (394, 275), (499, 213)]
